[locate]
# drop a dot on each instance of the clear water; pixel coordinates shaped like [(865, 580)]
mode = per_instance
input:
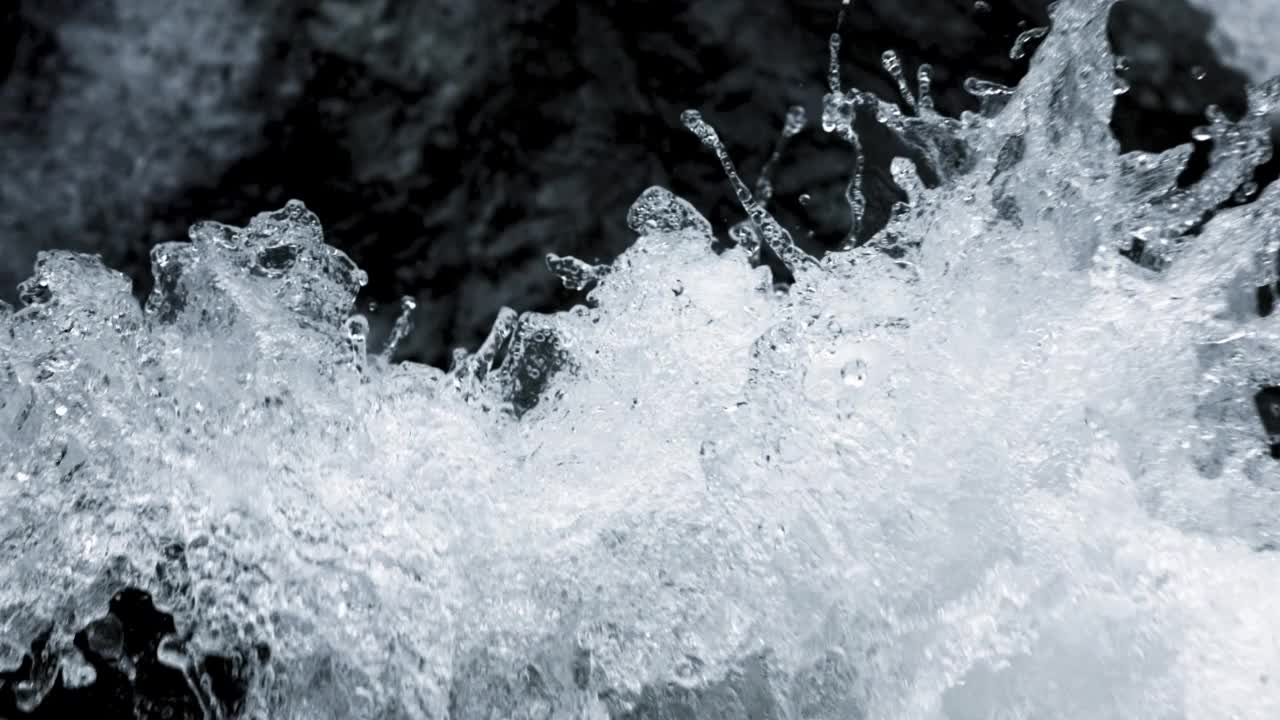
[(1008, 474)]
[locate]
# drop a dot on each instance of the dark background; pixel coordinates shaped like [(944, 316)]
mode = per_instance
[(448, 145)]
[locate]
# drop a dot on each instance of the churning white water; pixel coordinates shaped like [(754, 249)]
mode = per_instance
[(983, 467)]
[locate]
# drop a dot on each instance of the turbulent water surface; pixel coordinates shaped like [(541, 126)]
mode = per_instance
[(1004, 461)]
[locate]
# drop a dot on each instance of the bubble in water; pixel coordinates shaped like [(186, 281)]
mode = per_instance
[(854, 373), (745, 237)]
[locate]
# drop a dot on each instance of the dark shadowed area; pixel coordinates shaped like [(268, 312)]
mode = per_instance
[(448, 147)]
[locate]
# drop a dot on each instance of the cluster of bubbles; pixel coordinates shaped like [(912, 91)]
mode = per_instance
[(985, 465)]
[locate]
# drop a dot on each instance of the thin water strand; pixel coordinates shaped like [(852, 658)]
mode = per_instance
[(771, 232), (1024, 40)]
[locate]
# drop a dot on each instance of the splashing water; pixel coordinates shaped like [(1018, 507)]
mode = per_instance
[(1242, 34), (1002, 472), (1019, 49)]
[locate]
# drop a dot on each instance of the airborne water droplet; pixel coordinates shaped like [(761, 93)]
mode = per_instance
[(796, 119), (358, 339), (403, 326)]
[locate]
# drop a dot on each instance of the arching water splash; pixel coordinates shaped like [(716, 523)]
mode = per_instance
[(1000, 472)]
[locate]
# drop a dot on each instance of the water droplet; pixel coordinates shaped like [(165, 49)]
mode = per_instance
[(893, 65), (1121, 63), (402, 327), (60, 411), (745, 237), (805, 198), (924, 89), (854, 373), (797, 118), (764, 188), (358, 339), (982, 6), (1199, 73)]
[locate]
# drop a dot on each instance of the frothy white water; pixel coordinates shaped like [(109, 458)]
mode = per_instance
[(1242, 31), (1007, 474)]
